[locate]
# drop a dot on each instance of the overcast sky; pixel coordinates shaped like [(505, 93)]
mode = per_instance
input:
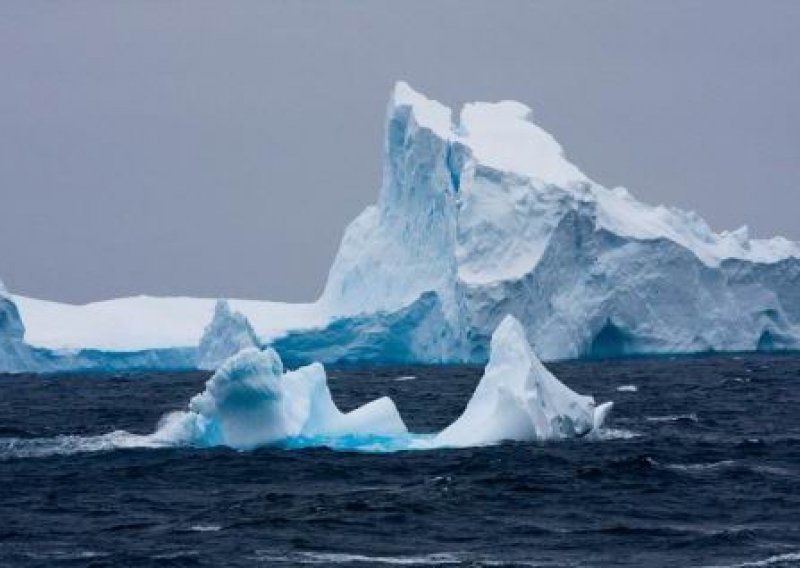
[(220, 148)]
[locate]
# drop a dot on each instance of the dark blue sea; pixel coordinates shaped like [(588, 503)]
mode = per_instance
[(704, 470)]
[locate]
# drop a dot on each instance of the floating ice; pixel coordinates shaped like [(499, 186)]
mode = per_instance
[(250, 401), (519, 399)]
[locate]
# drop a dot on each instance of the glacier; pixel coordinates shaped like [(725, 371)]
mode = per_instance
[(479, 215)]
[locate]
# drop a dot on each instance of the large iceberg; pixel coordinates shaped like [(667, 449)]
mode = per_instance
[(484, 209), (479, 215)]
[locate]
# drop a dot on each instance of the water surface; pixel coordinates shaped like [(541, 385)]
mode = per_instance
[(704, 471)]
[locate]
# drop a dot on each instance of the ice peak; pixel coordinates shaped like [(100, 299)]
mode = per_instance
[(500, 135), (428, 113), (509, 335)]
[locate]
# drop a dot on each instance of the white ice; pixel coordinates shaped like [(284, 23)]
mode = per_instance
[(250, 401), (519, 399)]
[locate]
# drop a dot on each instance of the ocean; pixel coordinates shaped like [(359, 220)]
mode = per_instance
[(701, 468)]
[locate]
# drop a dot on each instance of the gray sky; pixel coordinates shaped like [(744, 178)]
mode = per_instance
[(220, 148)]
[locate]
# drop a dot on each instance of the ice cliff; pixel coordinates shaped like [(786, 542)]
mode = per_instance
[(484, 209), (479, 215)]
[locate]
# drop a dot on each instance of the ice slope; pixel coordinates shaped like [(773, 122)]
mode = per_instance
[(479, 214), (227, 334)]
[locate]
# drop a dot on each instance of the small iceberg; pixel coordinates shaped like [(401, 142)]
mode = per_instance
[(627, 388), (250, 401), (519, 399)]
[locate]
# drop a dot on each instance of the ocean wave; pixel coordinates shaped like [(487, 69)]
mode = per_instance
[(64, 445), (701, 467), (613, 434), (436, 559), (692, 417), (788, 559), (167, 436), (729, 465)]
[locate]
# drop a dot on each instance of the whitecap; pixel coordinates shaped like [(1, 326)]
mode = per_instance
[(613, 434), (772, 560), (435, 559), (205, 528), (701, 467), (673, 418), (325, 558), (70, 444), (627, 388)]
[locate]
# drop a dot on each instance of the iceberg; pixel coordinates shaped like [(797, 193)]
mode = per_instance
[(479, 214), (518, 399), (250, 401), (483, 208)]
